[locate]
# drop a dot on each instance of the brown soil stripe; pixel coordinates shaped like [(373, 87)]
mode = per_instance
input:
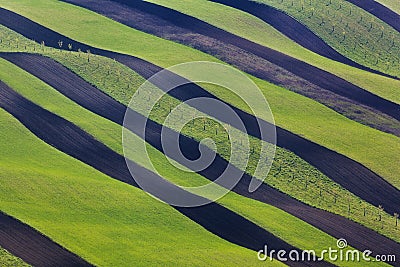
[(73, 141), (89, 97), (32, 247), (379, 11)]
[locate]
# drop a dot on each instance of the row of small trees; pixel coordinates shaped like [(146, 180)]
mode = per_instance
[(336, 198)]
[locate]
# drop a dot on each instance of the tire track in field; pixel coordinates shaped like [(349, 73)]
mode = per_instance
[(90, 98), (350, 174), (70, 139), (309, 73), (380, 11), (33, 247)]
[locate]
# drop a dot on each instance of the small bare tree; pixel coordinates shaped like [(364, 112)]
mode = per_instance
[(88, 55), (344, 36), (380, 210)]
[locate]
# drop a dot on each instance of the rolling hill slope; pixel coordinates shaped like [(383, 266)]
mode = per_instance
[(313, 237), (64, 88)]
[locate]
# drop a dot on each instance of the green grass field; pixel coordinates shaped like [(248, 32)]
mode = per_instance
[(349, 29), (324, 126), (254, 29), (110, 223)]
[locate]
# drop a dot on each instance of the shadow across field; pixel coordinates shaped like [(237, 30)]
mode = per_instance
[(31, 246), (93, 99)]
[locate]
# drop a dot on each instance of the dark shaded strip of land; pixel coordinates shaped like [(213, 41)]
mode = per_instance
[(149, 18), (89, 97), (32, 247), (303, 70), (350, 174), (70, 139), (379, 11)]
